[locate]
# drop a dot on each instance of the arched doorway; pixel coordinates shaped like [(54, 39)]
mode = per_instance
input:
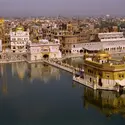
[(66, 51), (81, 51), (45, 56), (100, 82)]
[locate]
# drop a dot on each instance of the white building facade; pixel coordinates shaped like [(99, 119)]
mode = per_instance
[(19, 39), (43, 49), (113, 42)]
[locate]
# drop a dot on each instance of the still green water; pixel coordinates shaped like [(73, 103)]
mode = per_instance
[(37, 94), (76, 62)]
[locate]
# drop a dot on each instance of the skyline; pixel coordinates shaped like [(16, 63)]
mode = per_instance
[(61, 7)]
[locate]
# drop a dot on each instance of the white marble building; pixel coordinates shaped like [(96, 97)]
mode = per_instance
[(113, 42), (19, 38), (43, 49), (79, 48)]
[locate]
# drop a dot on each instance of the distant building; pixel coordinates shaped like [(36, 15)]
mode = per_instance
[(69, 27), (113, 42), (0, 45), (68, 41), (89, 46), (43, 49), (19, 38), (111, 36)]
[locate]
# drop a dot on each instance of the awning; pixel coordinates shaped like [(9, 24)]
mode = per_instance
[(93, 48)]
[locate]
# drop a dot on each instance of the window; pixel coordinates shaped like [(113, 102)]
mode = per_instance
[(14, 39), (19, 39), (45, 50), (35, 57), (90, 79), (121, 75), (88, 70), (25, 38)]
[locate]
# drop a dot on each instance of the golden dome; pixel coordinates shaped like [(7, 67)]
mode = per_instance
[(86, 53), (102, 54), (20, 28), (1, 20)]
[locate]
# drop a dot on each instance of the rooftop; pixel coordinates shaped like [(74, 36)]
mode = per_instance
[(104, 61)]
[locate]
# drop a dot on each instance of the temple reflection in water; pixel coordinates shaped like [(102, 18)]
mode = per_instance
[(28, 71), (3, 78), (19, 69), (35, 71), (108, 102)]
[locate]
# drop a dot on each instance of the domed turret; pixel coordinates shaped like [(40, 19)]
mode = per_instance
[(86, 55), (69, 26), (20, 28), (1, 20), (103, 54)]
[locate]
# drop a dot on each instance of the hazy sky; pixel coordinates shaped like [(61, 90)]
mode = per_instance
[(62, 7)]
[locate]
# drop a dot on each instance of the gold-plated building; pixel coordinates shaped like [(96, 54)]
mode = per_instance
[(103, 72)]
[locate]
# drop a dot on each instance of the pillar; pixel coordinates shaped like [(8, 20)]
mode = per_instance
[(94, 86)]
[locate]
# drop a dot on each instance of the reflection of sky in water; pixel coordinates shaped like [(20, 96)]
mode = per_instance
[(58, 102)]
